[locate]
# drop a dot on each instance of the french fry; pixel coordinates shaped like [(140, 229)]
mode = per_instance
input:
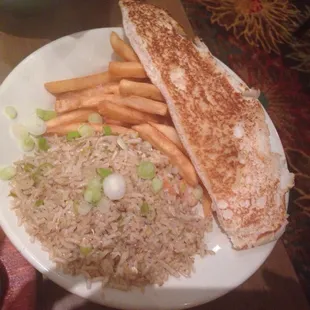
[(170, 133), (127, 69), (66, 128), (84, 98), (159, 141), (131, 88), (114, 122), (71, 117), (122, 49), (125, 114), (116, 129), (140, 104), (62, 86)]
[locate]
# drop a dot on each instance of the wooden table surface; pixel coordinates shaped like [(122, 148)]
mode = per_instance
[(273, 286)]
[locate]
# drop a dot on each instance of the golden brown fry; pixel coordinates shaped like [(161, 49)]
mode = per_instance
[(62, 86), (62, 129), (127, 69), (125, 114), (71, 117), (170, 133), (140, 104), (159, 141), (114, 122), (66, 128), (116, 129), (131, 88), (122, 49), (86, 98)]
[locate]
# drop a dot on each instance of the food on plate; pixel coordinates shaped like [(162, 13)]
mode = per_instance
[(122, 49), (125, 114), (7, 173), (73, 116), (114, 193), (63, 86), (160, 142), (170, 133), (85, 98), (224, 133), (146, 90), (95, 118), (139, 103), (10, 112), (130, 69), (91, 203), (46, 115), (73, 127)]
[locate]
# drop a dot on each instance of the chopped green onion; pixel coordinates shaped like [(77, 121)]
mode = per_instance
[(198, 192), (10, 112), (92, 195), (146, 170), (88, 195), (19, 131), (85, 250), (27, 144), (157, 185), (39, 203), (12, 194), (96, 195), (45, 166), (35, 126), (95, 118), (46, 115), (7, 173), (73, 135), (94, 183), (42, 144), (107, 130), (86, 130), (144, 209), (104, 172), (28, 167)]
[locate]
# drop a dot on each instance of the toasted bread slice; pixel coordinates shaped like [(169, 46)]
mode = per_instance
[(225, 135)]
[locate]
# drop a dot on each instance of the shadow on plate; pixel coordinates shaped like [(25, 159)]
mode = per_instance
[(56, 18), (52, 297)]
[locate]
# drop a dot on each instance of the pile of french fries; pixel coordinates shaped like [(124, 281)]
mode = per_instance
[(128, 102)]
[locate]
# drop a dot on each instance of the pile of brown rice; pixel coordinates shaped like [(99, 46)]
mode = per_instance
[(124, 248)]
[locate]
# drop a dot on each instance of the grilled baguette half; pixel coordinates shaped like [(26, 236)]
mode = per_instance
[(225, 135)]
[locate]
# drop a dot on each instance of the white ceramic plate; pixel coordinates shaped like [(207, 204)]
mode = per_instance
[(85, 53)]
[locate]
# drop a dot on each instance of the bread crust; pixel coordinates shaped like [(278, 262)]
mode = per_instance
[(225, 135)]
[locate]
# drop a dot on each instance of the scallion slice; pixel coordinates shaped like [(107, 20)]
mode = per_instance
[(146, 170), (7, 173), (10, 112), (46, 115), (72, 135)]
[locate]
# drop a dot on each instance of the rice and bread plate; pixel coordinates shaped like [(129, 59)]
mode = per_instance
[(131, 163)]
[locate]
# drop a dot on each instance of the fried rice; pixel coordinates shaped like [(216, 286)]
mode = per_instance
[(114, 243)]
